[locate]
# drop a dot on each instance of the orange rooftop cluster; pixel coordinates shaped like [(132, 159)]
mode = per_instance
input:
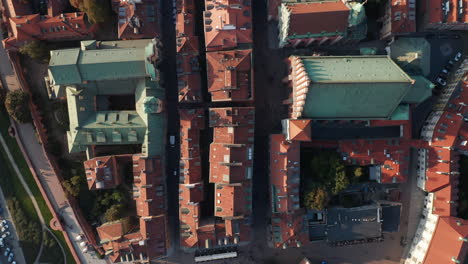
[(188, 52), (120, 240), (228, 40), (137, 19)]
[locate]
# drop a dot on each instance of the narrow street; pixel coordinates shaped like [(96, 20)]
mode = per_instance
[(168, 74)]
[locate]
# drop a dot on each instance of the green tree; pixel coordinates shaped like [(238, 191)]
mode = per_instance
[(98, 11), (341, 181), (73, 185), (358, 172), (17, 106), (316, 199), (113, 213), (35, 50)]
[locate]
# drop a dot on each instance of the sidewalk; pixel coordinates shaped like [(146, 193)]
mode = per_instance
[(53, 188)]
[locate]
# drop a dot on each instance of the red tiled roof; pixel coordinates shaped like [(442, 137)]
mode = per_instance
[(318, 17), (447, 241), (232, 200), (227, 25), (17, 8), (56, 7), (444, 203), (68, 26), (137, 18), (284, 165), (299, 129), (446, 130), (104, 172), (185, 22), (188, 70), (391, 155), (149, 242), (230, 75), (231, 164), (149, 190), (111, 231)]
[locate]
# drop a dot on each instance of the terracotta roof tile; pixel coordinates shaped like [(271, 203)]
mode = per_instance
[(228, 24), (230, 75), (68, 26), (447, 241), (137, 19), (318, 17)]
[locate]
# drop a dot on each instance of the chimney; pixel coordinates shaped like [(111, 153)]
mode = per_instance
[(464, 239), (455, 260), (459, 223)]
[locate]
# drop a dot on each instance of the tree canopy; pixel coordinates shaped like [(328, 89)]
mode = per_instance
[(98, 11), (17, 106), (36, 50), (316, 198)]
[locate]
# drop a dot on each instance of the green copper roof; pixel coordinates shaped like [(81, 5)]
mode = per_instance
[(90, 63), (421, 90), (368, 87), (127, 74)]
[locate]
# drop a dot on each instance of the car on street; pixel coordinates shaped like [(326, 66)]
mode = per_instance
[(172, 141), (7, 251), (3, 223), (457, 56), (5, 228), (10, 259), (441, 81), (2, 243)]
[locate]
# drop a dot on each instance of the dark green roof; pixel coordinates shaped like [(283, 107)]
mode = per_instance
[(359, 87)]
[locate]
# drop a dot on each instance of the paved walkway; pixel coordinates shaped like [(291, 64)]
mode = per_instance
[(53, 188), (47, 176), (19, 256)]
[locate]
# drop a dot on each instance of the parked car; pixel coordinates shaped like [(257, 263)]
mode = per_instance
[(7, 251), (457, 56), (4, 222), (441, 81), (2, 243), (445, 71), (10, 259), (172, 141), (12, 255)]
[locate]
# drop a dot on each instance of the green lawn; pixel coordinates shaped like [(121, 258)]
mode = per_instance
[(17, 188)]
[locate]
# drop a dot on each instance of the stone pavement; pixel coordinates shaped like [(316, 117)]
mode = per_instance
[(53, 188)]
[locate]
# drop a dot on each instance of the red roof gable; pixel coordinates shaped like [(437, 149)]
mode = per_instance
[(68, 26), (317, 17), (228, 23), (230, 75), (137, 18), (447, 242), (104, 172)]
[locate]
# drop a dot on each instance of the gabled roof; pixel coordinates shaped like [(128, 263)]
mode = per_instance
[(349, 87), (316, 18), (228, 24), (447, 244), (111, 231), (230, 75), (103, 172), (67, 26), (137, 19)]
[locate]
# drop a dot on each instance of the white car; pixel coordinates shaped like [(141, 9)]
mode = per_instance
[(7, 251), (1, 242), (457, 56), (441, 81), (4, 222)]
